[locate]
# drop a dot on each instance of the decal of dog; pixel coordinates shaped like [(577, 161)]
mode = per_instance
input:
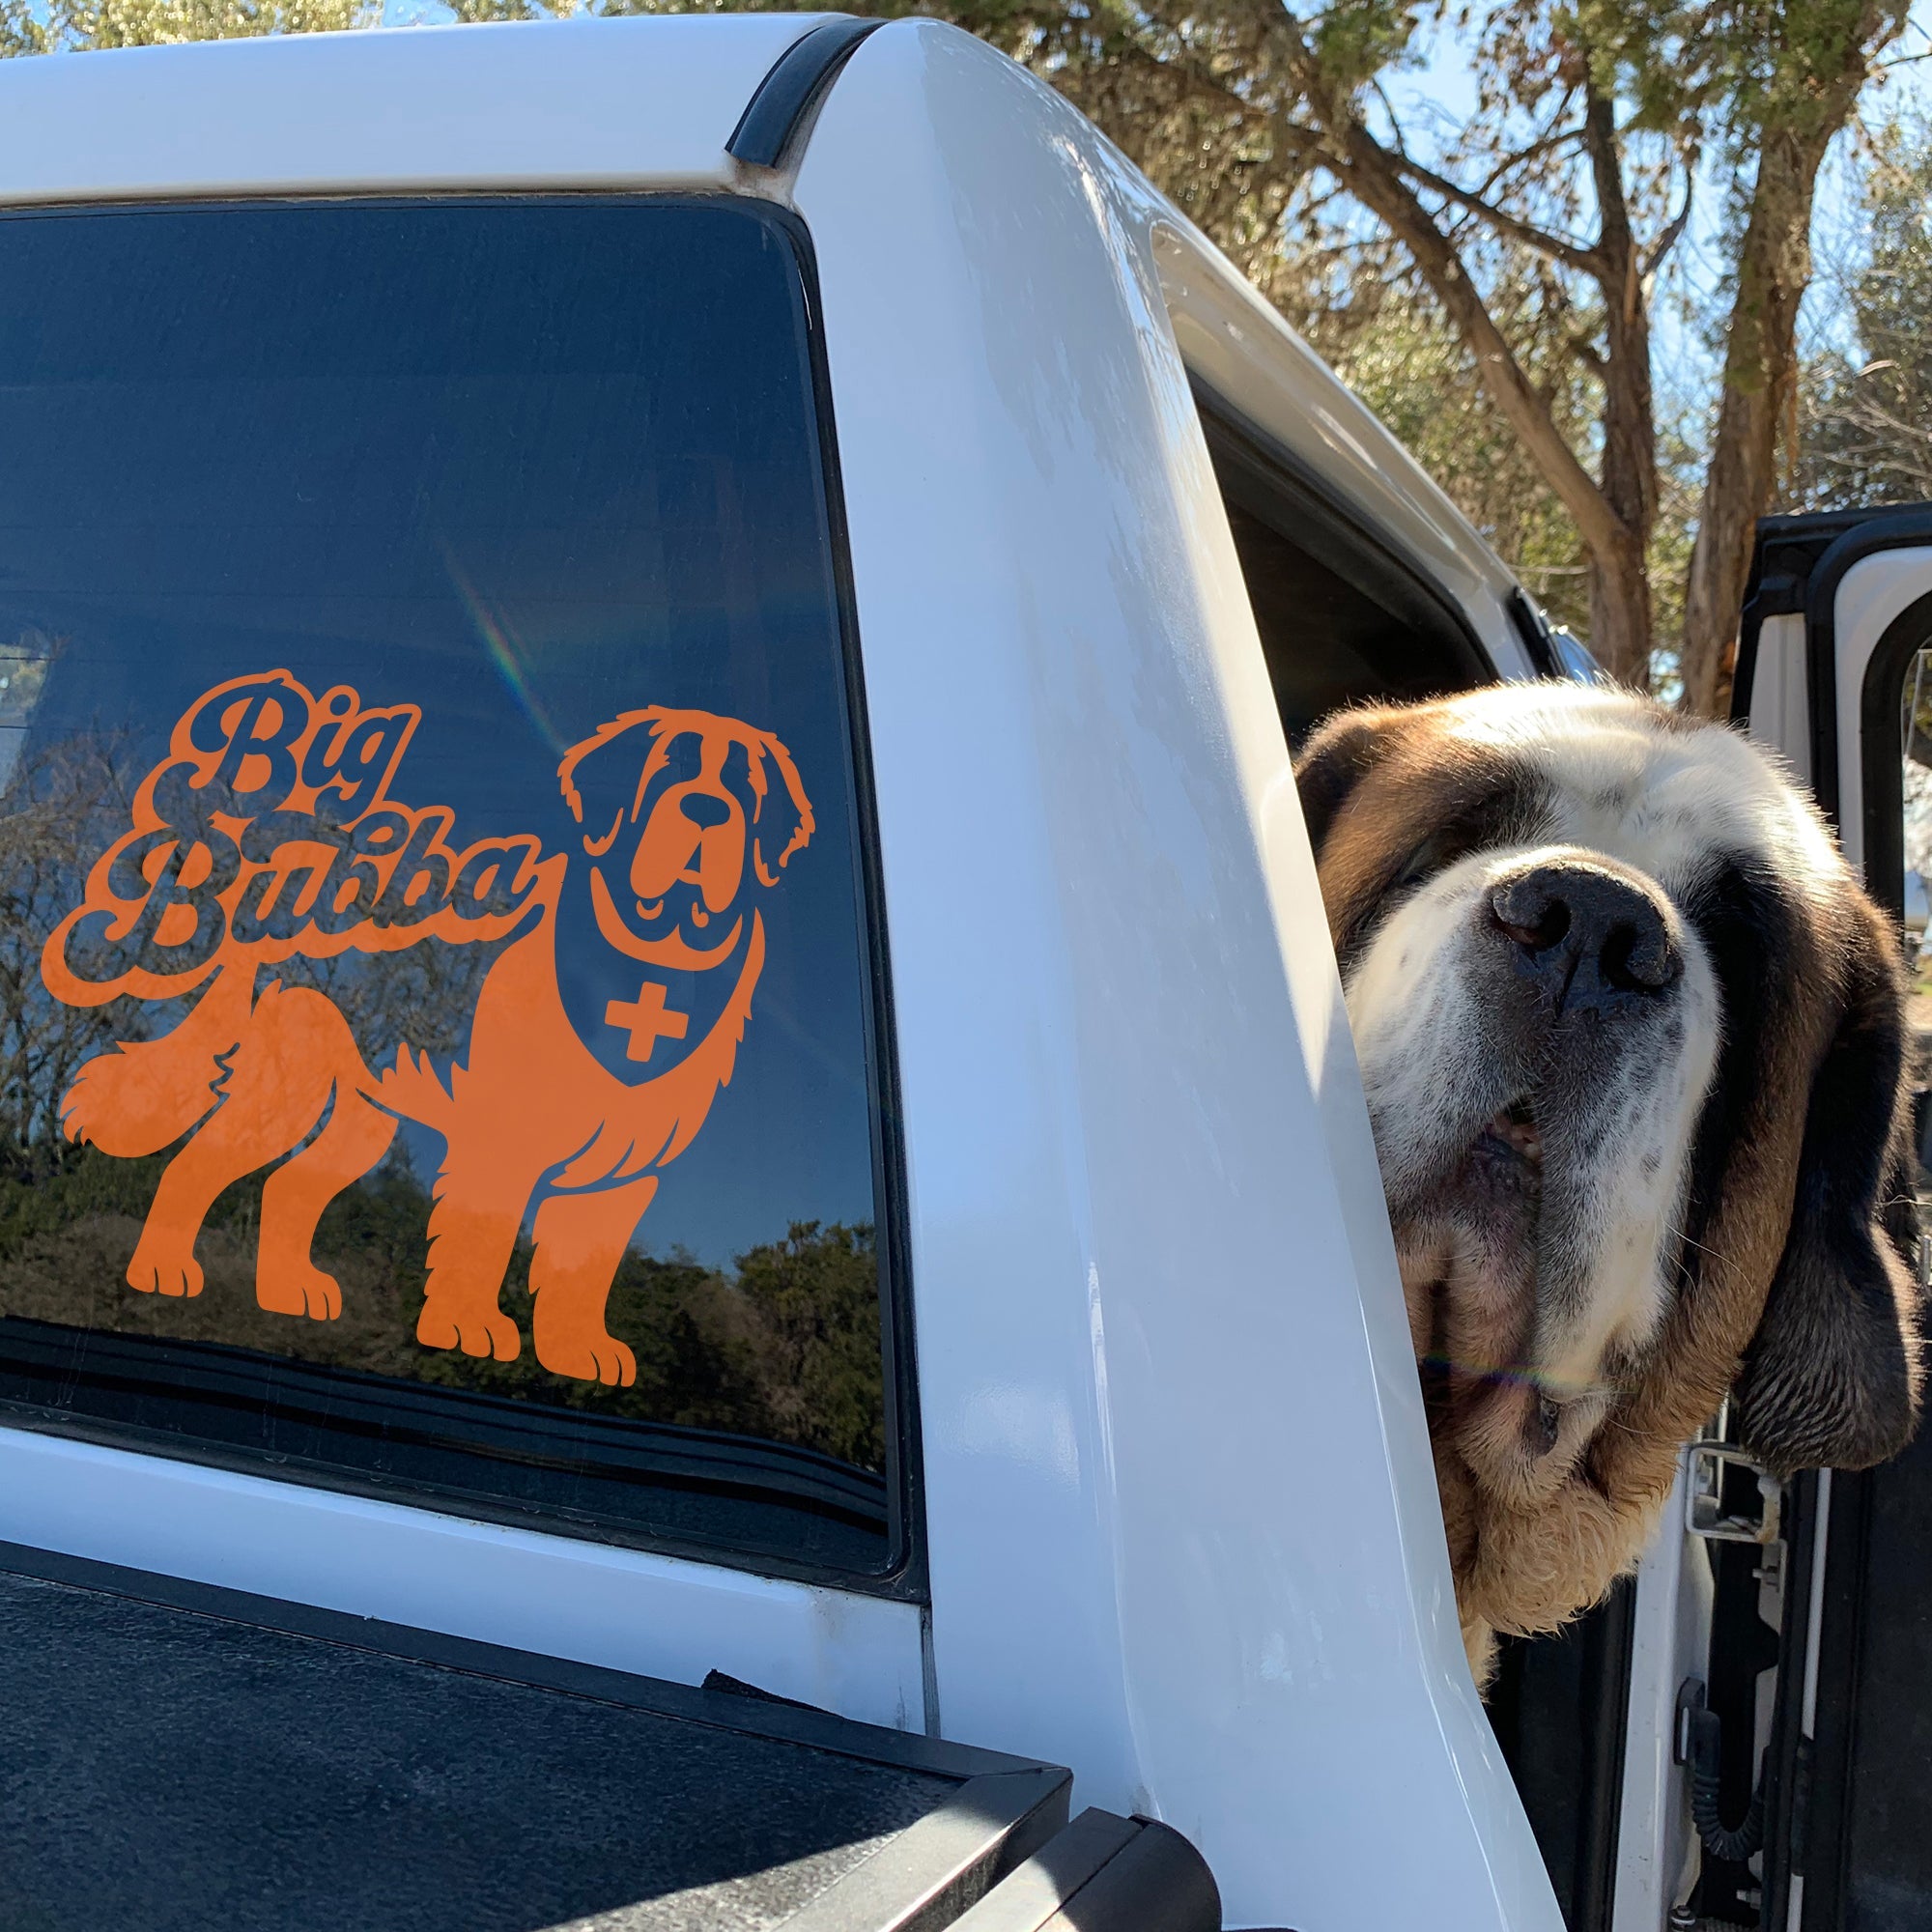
[(269, 832), (1635, 1050)]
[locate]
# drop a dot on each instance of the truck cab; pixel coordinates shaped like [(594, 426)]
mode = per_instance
[(659, 658)]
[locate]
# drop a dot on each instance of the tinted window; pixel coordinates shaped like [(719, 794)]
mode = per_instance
[(435, 979)]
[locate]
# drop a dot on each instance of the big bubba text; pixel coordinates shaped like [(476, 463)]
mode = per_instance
[(267, 832)]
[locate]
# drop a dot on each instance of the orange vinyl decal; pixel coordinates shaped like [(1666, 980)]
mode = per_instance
[(270, 832)]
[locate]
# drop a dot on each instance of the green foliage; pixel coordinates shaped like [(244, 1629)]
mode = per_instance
[(1391, 345), (1358, 40), (815, 1294), (73, 24)]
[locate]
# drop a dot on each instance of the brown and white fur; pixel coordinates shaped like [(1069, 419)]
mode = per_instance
[(1635, 1049)]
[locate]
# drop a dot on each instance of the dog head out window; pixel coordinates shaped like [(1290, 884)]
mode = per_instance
[(447, 1054)]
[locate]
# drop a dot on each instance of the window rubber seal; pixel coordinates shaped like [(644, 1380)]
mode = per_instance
[(781, 105)]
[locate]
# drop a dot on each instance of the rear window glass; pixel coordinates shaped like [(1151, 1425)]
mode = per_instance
[(439, 1051)]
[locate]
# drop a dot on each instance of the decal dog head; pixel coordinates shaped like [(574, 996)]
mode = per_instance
[(1633, 1045), (679, 813)]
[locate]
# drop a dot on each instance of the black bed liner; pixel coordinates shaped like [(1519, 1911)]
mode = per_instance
[(174, 1756)]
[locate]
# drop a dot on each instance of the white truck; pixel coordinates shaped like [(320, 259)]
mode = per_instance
[(669, 1022)]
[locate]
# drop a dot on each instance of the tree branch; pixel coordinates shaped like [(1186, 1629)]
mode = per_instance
[(1547, 144), (1555, 248), (1660, 248), (1376, 177)]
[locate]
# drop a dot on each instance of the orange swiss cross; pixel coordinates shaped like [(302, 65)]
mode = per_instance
[(644, 1018)]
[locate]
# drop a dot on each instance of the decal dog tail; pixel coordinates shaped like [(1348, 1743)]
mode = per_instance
[(412, 1089)]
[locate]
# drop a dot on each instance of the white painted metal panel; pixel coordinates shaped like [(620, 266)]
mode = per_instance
[(571, 103), (1874, 591), (1781, 713), (1184, 1525), (558, 1596)]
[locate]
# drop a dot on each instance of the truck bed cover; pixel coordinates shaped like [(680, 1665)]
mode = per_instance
[(174, 1755)]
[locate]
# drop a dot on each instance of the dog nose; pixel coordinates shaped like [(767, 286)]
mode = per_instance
[(1586, 937)]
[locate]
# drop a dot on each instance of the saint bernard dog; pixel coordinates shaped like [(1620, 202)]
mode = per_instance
[(1634, 1047)]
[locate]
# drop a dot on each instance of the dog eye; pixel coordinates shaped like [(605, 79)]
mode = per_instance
[(1424, 859)]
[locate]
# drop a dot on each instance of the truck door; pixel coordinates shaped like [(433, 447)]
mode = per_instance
[(1836, 669)]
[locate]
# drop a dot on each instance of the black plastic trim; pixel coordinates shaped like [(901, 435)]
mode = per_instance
[(785, 98), (1798, 565), (1789, 1848), (1028, 1897), (1787, 551), (1104, 1874), (925, 1876), (1538, 645), (496, 1427), (1160, 1879)]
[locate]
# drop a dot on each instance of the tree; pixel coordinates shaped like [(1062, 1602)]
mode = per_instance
[(1529, 243), (70, 24), (1539, 230), (1573, 182), (1793, 102), (1865, 407), (1350, 295)]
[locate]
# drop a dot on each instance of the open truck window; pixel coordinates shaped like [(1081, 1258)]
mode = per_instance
[(1342, 620), (442, 1053)]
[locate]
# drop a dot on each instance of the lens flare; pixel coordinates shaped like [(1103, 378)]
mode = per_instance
[(505, 651)]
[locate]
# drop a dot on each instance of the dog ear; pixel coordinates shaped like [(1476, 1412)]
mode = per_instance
[(782, 820), (602, 788), (1339, 753), (1831, 1379)]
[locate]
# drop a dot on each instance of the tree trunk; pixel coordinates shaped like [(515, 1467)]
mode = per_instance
[(1620, 632), (1760, 373), (1761, 355), (1611, 516)]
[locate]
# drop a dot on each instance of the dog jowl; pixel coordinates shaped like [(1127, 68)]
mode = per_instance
[(271, 832)]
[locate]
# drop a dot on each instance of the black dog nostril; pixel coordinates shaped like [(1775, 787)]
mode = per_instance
[(1536, 920), (1585, 936), (1639, 961)]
